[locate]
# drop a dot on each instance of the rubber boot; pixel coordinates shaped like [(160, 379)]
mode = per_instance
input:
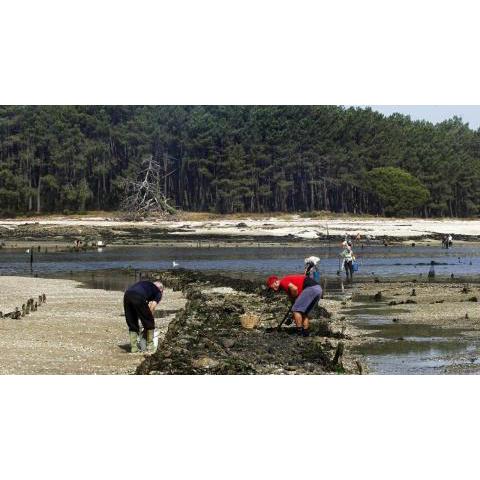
[(133, 342), (150, 344)]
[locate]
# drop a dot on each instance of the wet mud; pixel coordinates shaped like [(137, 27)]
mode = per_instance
[(436, 333)]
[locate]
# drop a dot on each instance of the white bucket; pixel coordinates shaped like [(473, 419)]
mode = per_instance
[(142, 341)]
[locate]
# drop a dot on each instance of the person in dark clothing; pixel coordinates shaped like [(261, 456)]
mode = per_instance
[(140, 301), (304, 292), (445, 242)]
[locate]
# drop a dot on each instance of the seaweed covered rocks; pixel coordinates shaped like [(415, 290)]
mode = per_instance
[(207, 337)]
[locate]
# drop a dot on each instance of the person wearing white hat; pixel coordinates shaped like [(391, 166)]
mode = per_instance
[(348, 258)]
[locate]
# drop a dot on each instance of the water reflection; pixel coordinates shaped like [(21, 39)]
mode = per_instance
[(402, 348)]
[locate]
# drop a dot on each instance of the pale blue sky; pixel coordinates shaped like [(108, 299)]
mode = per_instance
[(435, 113)]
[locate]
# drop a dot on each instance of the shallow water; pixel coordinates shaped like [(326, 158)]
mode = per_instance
[(405, 349), (104, 280), (378, 261)]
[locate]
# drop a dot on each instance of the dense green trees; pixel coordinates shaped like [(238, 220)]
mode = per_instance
[(238, 159), (398, 192)]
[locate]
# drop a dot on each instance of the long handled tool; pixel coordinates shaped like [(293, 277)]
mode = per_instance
[(279, 326)]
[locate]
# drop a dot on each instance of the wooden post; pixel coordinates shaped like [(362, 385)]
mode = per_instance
[(323, 284), (338, 354), (360, 367)]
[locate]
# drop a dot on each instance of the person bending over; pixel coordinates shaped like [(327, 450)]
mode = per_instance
[(304, 292), (140, 301)]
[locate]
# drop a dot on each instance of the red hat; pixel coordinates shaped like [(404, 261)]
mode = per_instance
[(271, 280)]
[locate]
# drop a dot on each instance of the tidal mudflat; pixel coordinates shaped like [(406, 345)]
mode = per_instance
[(77, 330)]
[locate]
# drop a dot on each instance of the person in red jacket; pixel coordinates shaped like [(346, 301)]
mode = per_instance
[(304, 292)]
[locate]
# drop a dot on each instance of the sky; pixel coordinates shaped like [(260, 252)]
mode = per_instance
[(435, 113)]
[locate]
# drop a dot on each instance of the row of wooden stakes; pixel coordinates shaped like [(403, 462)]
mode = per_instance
[(30, 306)]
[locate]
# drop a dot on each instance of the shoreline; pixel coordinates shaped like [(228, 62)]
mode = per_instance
[(292, 230), (213, 242)]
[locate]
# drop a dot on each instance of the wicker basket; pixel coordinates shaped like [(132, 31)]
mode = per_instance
[(249, 320)]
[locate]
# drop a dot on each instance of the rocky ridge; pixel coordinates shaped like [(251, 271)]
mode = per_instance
[(207, 336)]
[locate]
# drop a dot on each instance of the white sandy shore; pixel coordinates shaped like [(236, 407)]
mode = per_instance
[(78, 330), (296, 226)]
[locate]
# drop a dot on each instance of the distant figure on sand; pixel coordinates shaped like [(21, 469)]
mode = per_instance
[(447, 241), (347, 258), (304, 292), (140, 301)]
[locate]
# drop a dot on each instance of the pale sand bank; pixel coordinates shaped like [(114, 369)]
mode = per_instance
[(294, 225)]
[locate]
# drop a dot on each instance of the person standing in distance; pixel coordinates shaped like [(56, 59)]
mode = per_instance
[(140, 301), (347, 258)]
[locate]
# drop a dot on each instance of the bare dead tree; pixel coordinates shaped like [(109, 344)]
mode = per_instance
[(145, 195)]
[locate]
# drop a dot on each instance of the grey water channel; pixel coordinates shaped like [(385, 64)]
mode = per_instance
[(395, 348), (259, 261)]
